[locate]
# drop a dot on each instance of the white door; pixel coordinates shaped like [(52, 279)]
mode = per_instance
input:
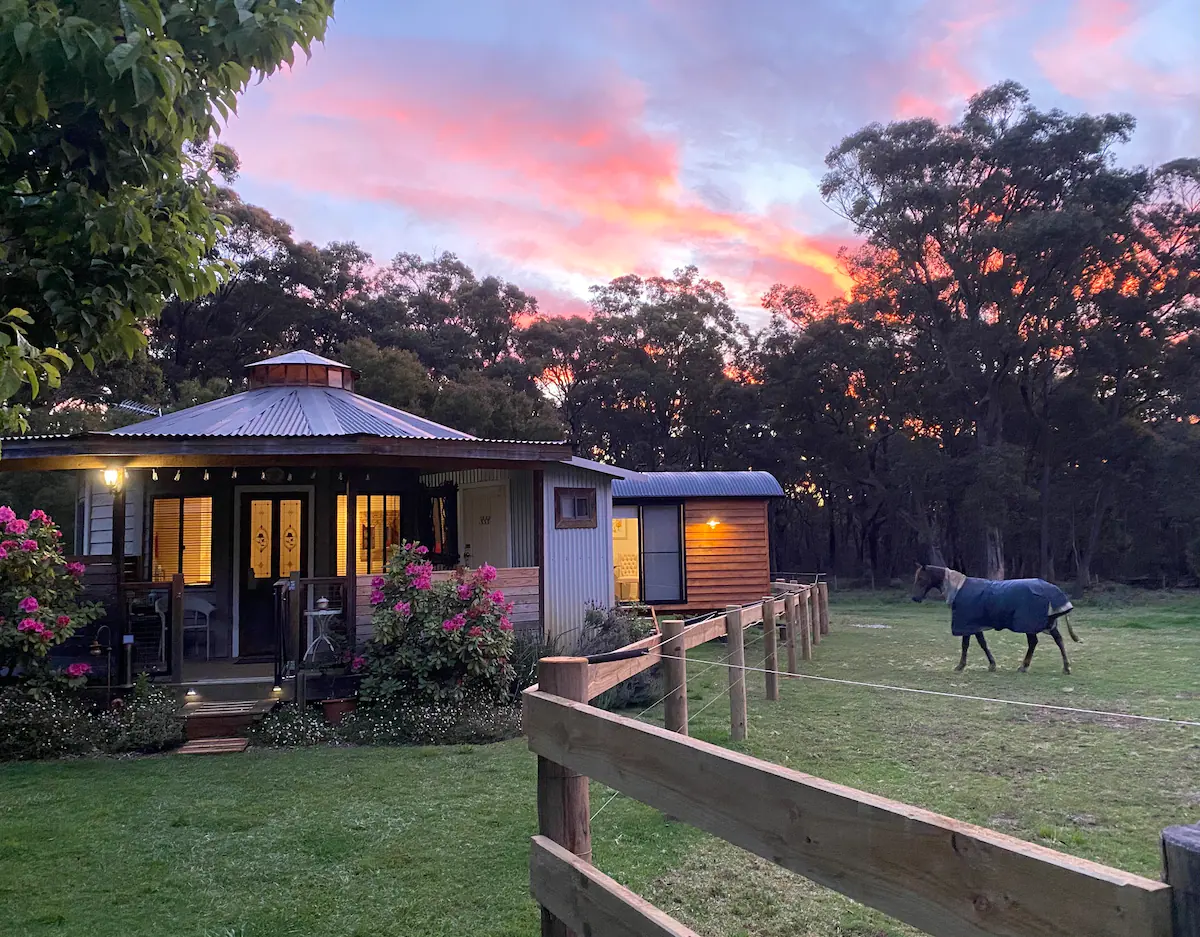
[(483, 523)]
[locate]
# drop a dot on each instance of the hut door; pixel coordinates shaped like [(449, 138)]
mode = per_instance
[(483, 525), (273, 546), (662, 553)]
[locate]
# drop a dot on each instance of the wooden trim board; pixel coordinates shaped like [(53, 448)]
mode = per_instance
[(942, 876)]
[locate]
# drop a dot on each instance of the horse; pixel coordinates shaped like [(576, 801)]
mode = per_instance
[(1027, 606)]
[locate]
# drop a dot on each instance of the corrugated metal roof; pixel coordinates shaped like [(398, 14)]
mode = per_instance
[(602, 468), (299, 357), (698, 485), (293, 411)]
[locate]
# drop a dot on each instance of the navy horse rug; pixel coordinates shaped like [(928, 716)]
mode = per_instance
[(1021, 605)]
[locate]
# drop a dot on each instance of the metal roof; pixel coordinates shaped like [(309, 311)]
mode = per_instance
[(602, 468), (293, 411), (698, 485), (298, 357)]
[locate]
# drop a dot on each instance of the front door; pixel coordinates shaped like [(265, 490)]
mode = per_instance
[(274, 544), (484, 525)]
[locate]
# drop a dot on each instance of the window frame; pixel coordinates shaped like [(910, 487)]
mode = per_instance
[(640, 506), (575, 523)]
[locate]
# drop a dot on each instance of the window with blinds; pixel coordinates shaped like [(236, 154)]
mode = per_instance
[(377, 532), (182, 539)]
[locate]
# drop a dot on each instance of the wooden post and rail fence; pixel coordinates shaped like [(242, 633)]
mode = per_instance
[(940, 875)]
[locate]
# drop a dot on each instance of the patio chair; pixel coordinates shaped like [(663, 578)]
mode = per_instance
[(199, 608)]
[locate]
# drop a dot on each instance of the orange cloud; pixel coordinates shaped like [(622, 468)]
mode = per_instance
[(572, 183)]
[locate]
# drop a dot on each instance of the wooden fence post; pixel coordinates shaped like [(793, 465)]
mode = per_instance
[(823, 587), (804, 620), (675, 714), (737, 673), (177, 628), (814, 614), (563, 804), (1181, 862), (791, 620), (770, 648)]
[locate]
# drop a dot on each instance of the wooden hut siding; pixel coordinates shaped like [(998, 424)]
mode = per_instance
[(730, 563), (98, 510), (579, 560), (521, 519)]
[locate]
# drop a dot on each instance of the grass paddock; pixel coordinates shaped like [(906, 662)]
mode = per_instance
[(336, 842)]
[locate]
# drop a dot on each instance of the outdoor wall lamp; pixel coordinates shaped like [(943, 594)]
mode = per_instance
[(713, 522), (112, 478)]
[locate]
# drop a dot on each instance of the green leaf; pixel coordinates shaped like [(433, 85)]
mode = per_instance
[(122, 58), (21, 35), (144, 85)]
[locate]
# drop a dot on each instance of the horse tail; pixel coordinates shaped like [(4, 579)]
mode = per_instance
[(1070, 630)]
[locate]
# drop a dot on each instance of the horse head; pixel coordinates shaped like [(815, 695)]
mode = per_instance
[(927, 577)]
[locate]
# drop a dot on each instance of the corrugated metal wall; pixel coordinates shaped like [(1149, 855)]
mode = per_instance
[(579, 561), (98, 500), (521, 533)]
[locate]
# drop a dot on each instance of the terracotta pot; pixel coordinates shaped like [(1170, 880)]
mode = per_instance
[(335, 709)]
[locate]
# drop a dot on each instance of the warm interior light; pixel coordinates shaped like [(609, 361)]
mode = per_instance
[(191, 692), (713, 522), (276, 689), (112, 477)]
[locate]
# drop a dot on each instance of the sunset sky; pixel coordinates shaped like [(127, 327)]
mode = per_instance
[(560, 143)]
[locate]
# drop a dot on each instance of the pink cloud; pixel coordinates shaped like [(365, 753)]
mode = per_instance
[(556, 173)]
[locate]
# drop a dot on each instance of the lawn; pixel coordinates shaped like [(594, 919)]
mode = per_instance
[(433, 841)]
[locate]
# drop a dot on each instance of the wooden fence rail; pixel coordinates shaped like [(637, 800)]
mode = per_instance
[(945, 877)]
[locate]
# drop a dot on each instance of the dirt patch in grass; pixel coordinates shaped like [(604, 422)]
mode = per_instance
[(1056, 717)]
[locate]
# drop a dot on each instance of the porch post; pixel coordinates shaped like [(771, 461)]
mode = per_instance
[(118, 559), (351, 600)]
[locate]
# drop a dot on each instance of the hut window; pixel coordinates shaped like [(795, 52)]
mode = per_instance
[(662, 553), (182, 532), (335, 377), (574, 507), (377, 532)]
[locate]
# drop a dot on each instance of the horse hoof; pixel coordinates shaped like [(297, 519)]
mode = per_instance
[(1067, 671), (959, 668), (992, 668), (1022, 669)]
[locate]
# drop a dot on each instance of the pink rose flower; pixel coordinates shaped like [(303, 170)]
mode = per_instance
[(79, 670), (465, 591), (7, 514), (30, 624), (37, 514), (402, 608), (497, 597), (486, 572), (454, 624), (376, 596), (8, 544), (17, 526), (76, 569), (3, 553), (421, 551), (505, 624), (28, 604), (475, 632), (377, 582), (56, 534), (421, 575), (508, 608), (357, 664), (29, 545), (63, 620)]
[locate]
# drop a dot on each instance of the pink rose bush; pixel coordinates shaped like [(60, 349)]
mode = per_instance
[(39, 607), (436, 641)]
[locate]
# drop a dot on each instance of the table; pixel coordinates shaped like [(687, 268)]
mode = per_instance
[(320, 619)]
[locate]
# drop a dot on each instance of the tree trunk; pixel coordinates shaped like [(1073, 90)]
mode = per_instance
[(993, 552), (1046, 565), (1089, 553)]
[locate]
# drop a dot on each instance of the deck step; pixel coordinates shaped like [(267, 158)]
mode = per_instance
[(223, 746), (221, 719)]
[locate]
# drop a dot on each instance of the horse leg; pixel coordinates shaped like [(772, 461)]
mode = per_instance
[(1054, 633), (1032, 639), (966, 643), (983, 644)]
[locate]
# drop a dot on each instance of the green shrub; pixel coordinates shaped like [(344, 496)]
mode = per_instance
[(287, 726), (527, 651), (435, 642), (148, 720), (51, 725), (439, 724), (608, 629)]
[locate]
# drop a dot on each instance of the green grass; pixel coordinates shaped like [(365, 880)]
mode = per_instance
[(434, 841)]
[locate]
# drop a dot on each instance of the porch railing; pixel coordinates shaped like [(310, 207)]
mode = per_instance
[(311, 617)]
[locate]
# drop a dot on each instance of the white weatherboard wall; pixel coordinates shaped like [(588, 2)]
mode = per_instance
[(579, 561), (98, 504), (522, 535)]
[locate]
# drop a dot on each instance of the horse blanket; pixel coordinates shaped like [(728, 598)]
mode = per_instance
[(1020, 605)]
